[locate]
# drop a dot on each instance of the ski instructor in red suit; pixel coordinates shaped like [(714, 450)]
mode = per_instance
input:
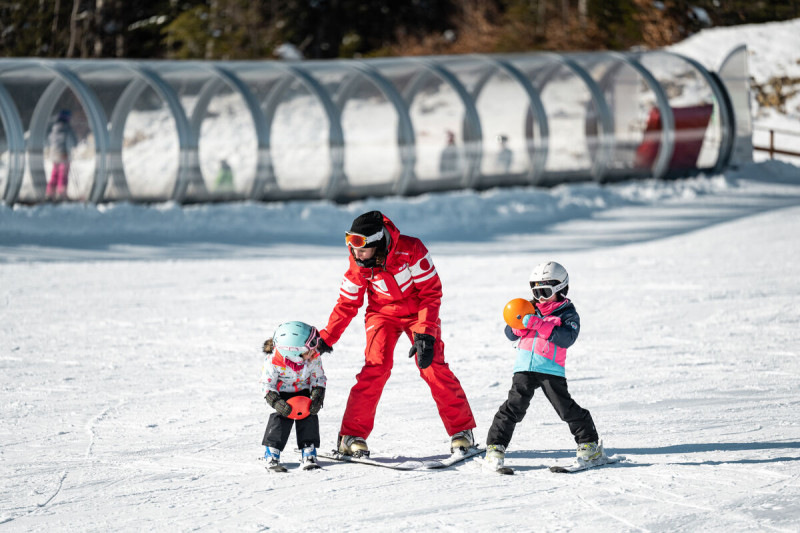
[(403, 296)]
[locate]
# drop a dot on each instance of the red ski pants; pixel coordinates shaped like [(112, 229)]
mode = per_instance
[(382, 335)]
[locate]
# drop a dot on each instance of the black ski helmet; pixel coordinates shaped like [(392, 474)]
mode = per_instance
[(370, 224)]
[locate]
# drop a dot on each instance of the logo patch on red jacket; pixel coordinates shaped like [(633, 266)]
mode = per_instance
[(425, 264)]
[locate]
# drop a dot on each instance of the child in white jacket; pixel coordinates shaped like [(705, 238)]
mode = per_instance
[(292, 368)]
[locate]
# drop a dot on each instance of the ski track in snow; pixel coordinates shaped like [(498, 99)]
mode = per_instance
[(599, 509)]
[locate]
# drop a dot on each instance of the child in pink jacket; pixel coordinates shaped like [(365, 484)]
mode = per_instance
[(541, 349)]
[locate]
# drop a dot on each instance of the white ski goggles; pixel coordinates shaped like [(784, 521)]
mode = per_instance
[(543, 291)]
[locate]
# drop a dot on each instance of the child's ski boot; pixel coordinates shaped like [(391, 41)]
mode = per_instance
[(273, 458), (589, 452), (495, 457), (309, 459)]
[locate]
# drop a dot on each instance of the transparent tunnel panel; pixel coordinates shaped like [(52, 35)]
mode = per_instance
[(60, 160), (150, 149), (568, 107), (504, 111), (370, 128), (435, 110), (113, 84), (735, 75), (630, 100), (228, 148), (698, 133), (300, 135)]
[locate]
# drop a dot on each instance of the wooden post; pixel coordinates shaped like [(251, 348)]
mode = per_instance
[(771, 144)]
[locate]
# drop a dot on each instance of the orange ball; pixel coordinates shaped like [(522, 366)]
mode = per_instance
[(300, 406), (515, 310)]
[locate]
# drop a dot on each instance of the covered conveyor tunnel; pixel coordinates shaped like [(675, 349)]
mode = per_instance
[(191, 131)]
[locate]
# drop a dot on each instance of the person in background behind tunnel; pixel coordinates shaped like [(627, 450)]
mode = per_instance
[(61, 140)]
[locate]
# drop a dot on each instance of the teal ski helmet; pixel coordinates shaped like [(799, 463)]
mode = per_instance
[(293, 339)]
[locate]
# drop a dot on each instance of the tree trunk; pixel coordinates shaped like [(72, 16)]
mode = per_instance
[(583, 13), (541, 15), (54, 27), (73, 28), (99, 24)]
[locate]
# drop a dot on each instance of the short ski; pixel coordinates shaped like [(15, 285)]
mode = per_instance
[(366, 460), (405, 464), (276, 468), (579, 466), (504, 470), (456, 457)]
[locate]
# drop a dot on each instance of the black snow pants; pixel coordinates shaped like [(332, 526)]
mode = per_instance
[(555, 390), (279, 427)]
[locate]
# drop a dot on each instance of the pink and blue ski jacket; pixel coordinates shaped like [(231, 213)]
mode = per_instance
[(544, 348)]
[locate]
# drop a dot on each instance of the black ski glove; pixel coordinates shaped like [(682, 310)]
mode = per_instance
[(317, 398), (423, 348), (275, 401), (323, 347)]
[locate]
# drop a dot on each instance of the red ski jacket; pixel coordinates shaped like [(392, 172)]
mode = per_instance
[(406, 285)]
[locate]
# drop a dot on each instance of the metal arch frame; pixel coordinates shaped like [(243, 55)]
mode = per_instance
[(652, 83), (15, 136), (736, 51), (667, 144), (187, 142), (94, 113), (334, 185), (472, 132), (406, 138), (744, 142), (607, 140), (537, 153), (226, 76), (726, 117), (268, 184)]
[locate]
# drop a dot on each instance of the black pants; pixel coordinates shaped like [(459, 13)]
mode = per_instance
[(555, 390), (279, 428)]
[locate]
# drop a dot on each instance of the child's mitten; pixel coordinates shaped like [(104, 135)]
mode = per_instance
[(276, 402), (317, 398)]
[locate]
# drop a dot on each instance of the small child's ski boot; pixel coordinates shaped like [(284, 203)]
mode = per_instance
[(495, 457), (309, 458), (273, 458), (589, 452), (461, 441), (353, 446)]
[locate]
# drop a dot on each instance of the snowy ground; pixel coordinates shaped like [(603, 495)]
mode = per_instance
[(130, 335), (130, 361)]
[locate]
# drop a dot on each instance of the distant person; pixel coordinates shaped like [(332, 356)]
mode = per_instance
[(288, 52), (540, 345), (224, 176), (449, 159), (292, 368), (61, 140), (504, 156), (403, 291)]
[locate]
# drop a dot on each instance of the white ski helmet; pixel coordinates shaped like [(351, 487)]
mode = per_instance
[(293, 339), (549, 278)]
